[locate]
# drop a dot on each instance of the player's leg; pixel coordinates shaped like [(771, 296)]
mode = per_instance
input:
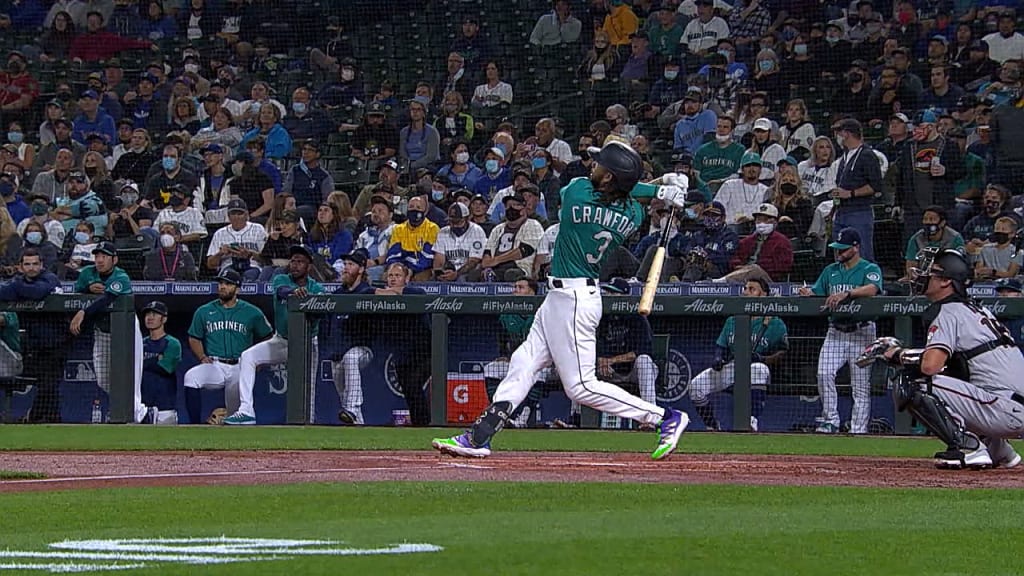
[(983, 413), (921, 399), (527, 361), (860, 379), (760, 375), (101, 359), (273, 351), (348, 381), (494, 373), (230, 373), (645, 374), (830, 360), (198, 378), (140, 408), (706, 383)]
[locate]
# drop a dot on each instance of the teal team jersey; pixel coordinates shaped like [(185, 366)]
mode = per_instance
[(768, 334), (171, 355), (116, 283), (10, 332), (836, 278), (226, 332), (590, 230), (281, 305)]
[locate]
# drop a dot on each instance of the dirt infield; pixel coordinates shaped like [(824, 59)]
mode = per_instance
[(78, 470)]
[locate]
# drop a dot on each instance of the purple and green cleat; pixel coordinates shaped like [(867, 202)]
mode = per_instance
[(671, 430), (461, 446)]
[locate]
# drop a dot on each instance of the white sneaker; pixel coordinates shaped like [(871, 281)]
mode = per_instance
[(975, 460), (753, 424)]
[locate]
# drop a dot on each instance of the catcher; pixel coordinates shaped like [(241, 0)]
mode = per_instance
[(964, 385)]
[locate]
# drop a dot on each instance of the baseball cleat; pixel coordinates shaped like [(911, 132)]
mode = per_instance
[(672, 429), (1009, 462), (461, 446), (958, 460), (239, 419), (754, 423), (826, 428), (347, 418)]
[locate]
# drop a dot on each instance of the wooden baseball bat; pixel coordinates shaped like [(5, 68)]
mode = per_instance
[(654, 275)]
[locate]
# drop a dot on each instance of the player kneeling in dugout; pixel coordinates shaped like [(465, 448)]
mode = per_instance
[(964, 386), (768, 343)]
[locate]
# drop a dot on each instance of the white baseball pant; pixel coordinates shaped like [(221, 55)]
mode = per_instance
[(216, 375), (498, 369), (841, 348), (995, 418), (272, 351), (101, 352), (11, 364), (348, 379), (708, 382), (564, 333)]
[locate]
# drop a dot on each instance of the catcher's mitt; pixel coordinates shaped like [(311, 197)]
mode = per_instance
[(217, 417), (876, 351)]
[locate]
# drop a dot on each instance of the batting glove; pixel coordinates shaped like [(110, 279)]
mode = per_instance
[(673, 195), (677, 180)]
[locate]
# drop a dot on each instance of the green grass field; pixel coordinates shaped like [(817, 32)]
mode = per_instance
[(528, 528)]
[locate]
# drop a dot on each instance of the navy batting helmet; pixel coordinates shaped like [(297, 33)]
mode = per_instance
[(622, 161)]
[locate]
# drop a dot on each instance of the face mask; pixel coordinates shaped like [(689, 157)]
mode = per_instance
[(6, 189), (856, 77), (764, 228), (462, 157), (841, 141), (873, 29), (789, 34), (539, 163), (299, 107), (831, 39), (931, 229), (91, 172), (852, 21), (39, 209), (82, 237), (176, 201), (712, 223), (64, 96), (347, 74), (725, 53), (437, 195), (584, 154), (788, 189), (193, 68), (15, 137), (800, 49), (166, 240), (1012, 75), (723, 139), (765, 65), (415, 217), (237, 168), (451, 108), (1000, 237), (512, 214), (34, 237), (905, 17), (992, 207), (671, 74), (691, 214), (491, 166), (169, 163)]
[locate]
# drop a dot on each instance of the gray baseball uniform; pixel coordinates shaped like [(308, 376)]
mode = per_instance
[(990, 396)]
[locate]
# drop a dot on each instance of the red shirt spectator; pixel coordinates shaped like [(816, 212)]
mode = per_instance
[(766, 247), (18, 89), (99, 44)]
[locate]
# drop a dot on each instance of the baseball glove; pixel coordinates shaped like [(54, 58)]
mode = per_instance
[(217, 417), (876, 351)]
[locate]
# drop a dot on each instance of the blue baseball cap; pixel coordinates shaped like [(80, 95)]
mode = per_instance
[(848, 238), (1009, 285)]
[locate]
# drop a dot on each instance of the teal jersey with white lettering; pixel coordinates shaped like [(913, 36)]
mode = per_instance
[(117, 283), (281, 304), (768, 335), (226, 332), (836, 278), (589, 230)]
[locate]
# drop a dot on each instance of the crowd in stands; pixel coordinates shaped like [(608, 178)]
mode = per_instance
[(203, 135)]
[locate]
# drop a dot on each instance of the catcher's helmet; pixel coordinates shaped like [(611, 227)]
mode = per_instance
[(949, 264), (622, 161)]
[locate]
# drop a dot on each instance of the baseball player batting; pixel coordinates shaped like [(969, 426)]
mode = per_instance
[(849, 277), (965, 385), (275, 351), (597, 215), (106, 279), (221, 330)]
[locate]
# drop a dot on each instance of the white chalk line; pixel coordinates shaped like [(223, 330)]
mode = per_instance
[(158, 476)]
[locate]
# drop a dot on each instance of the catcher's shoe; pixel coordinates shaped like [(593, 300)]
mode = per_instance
[(217, 417), (461, 446), (958, 459), (239, 419), (672, 429)]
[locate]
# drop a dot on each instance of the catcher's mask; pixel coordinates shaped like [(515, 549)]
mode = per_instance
[(949, 264)]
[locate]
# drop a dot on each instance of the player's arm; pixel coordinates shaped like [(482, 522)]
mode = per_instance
[(198, 350), (778, 346), (171, 357), (261, 326)]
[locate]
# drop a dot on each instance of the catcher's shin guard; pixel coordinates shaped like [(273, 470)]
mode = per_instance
[(490, 423), (932, 413)]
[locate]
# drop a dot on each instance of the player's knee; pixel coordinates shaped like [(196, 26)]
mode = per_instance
[(645, 366), (759, 374)]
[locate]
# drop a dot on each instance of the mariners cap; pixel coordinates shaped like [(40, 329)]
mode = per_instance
[(458, 211), (715, 208), (237, 205), (358, 257), (300, 249), (155, 306), (229, 276), (1009, 285), (616, 286), (390, 164), (107, 248), (847, 238), (767, 209), (376, 109), (750, 158), (763, 124)]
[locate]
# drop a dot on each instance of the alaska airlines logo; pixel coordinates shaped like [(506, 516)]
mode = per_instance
[(701, 307), (440, 304)]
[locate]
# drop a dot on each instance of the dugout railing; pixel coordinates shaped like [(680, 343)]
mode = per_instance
[(58, 310), (692, 323)]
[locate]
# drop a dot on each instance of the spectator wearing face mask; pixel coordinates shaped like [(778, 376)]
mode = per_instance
[(459, 248), (496, 175), (34, 236), (187, 218), (934, 233), (461, 172), (765, 254), (40, 207), (719, 160), (795, 206), (979, 229), (77, 250), (128, 217), (171, 260), (929, 167), (999, 258), (412, 242)]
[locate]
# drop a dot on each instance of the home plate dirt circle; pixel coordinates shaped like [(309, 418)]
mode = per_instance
[(78, 470)]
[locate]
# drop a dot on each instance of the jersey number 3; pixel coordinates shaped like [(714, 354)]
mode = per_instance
[(603, 239)]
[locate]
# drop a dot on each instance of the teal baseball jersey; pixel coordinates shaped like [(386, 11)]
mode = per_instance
[(768, 335), (9, 334), (166, 350), (226, 332), (116, 283), (716, 163), (281, 304), (836, 278), (589, 230)]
